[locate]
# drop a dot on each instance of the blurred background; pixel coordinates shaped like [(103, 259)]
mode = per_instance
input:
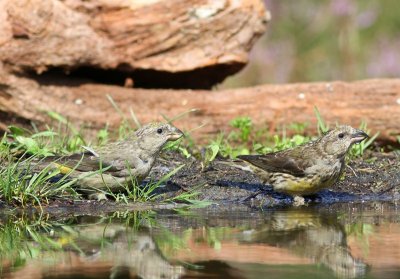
[(316, 40)]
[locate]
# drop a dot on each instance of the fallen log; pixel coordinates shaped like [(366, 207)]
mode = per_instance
[(157, 44), (376, 102)]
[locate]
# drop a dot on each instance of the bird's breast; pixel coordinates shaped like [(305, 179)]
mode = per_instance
[(330, 174), (319, 177), (144, 165)]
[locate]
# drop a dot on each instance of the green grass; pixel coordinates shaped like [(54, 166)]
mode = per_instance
[(245, 139), (23, 238), (143, 193), (20, 186), (22, 148), (359, 149)]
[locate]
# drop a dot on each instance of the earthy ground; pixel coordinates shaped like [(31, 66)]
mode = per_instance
[(375, 177)]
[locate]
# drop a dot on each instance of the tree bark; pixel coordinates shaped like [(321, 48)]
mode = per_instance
[(157, 43), (376, 102)]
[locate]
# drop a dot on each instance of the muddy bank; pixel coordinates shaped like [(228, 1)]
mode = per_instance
[(64, 208), (375, 177)]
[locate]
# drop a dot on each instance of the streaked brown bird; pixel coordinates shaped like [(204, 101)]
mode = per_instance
[(307, 168), (113, 166)]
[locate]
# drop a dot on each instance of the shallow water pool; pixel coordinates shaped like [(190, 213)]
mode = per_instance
[(330, 241)]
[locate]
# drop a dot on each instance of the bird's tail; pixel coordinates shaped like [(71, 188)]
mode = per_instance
[(35, 164), (29, 167), (234, 163)]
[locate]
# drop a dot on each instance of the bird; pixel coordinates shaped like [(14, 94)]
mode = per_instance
[(305, 169), (114, 165)]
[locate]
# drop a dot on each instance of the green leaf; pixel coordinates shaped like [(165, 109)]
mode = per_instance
[(185, 152), (370, 140), (44, 134), (214, 148), (322, 127), (102, 134), (17, 131), (298, 139), (29, 143), (57, 116), (257, 146)]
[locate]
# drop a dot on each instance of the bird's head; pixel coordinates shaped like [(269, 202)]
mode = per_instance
[(153, 136), (339, 140)]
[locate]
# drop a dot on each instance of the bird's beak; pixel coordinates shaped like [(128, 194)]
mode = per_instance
[(358, 136), (175, 134)]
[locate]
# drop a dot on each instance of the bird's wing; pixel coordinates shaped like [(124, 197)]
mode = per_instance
[(277, 162), (83, 162)]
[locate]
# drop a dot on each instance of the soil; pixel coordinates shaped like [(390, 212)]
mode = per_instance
[(375, 177)]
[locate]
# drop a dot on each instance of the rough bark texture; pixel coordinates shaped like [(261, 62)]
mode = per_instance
[(161, 43), (377, 102), (158, 43)]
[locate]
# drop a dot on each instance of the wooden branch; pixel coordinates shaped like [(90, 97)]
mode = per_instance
[(132, 36), (377, 102)]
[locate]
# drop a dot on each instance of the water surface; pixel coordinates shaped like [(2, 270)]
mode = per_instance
[(330, 241)]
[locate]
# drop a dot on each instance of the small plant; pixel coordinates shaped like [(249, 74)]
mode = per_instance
[(20, 186), (142, 193), (212, 151), (126, 126), (298, 128), (25, 141), (103, 136), (177, 146), (285, 143), (321, 125), (68, 137), (358, 149), (280, 143), (244, 124)]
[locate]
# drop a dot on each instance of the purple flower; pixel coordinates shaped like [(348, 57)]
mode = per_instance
[(385, 59), (366, 19), (343, 7)]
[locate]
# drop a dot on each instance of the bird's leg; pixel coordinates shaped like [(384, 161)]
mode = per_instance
[(251, 196), (298, 201)]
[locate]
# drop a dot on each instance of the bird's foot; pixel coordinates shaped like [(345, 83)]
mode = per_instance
[(98, 197), (298, 201), (251, 196)]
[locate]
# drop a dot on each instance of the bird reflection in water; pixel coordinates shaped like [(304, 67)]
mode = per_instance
[(318, 237)]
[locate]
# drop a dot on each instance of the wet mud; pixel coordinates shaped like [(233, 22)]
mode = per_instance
[(375, 177)]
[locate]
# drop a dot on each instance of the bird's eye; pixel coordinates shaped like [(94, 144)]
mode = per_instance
[(341, 135), (159, 131)]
